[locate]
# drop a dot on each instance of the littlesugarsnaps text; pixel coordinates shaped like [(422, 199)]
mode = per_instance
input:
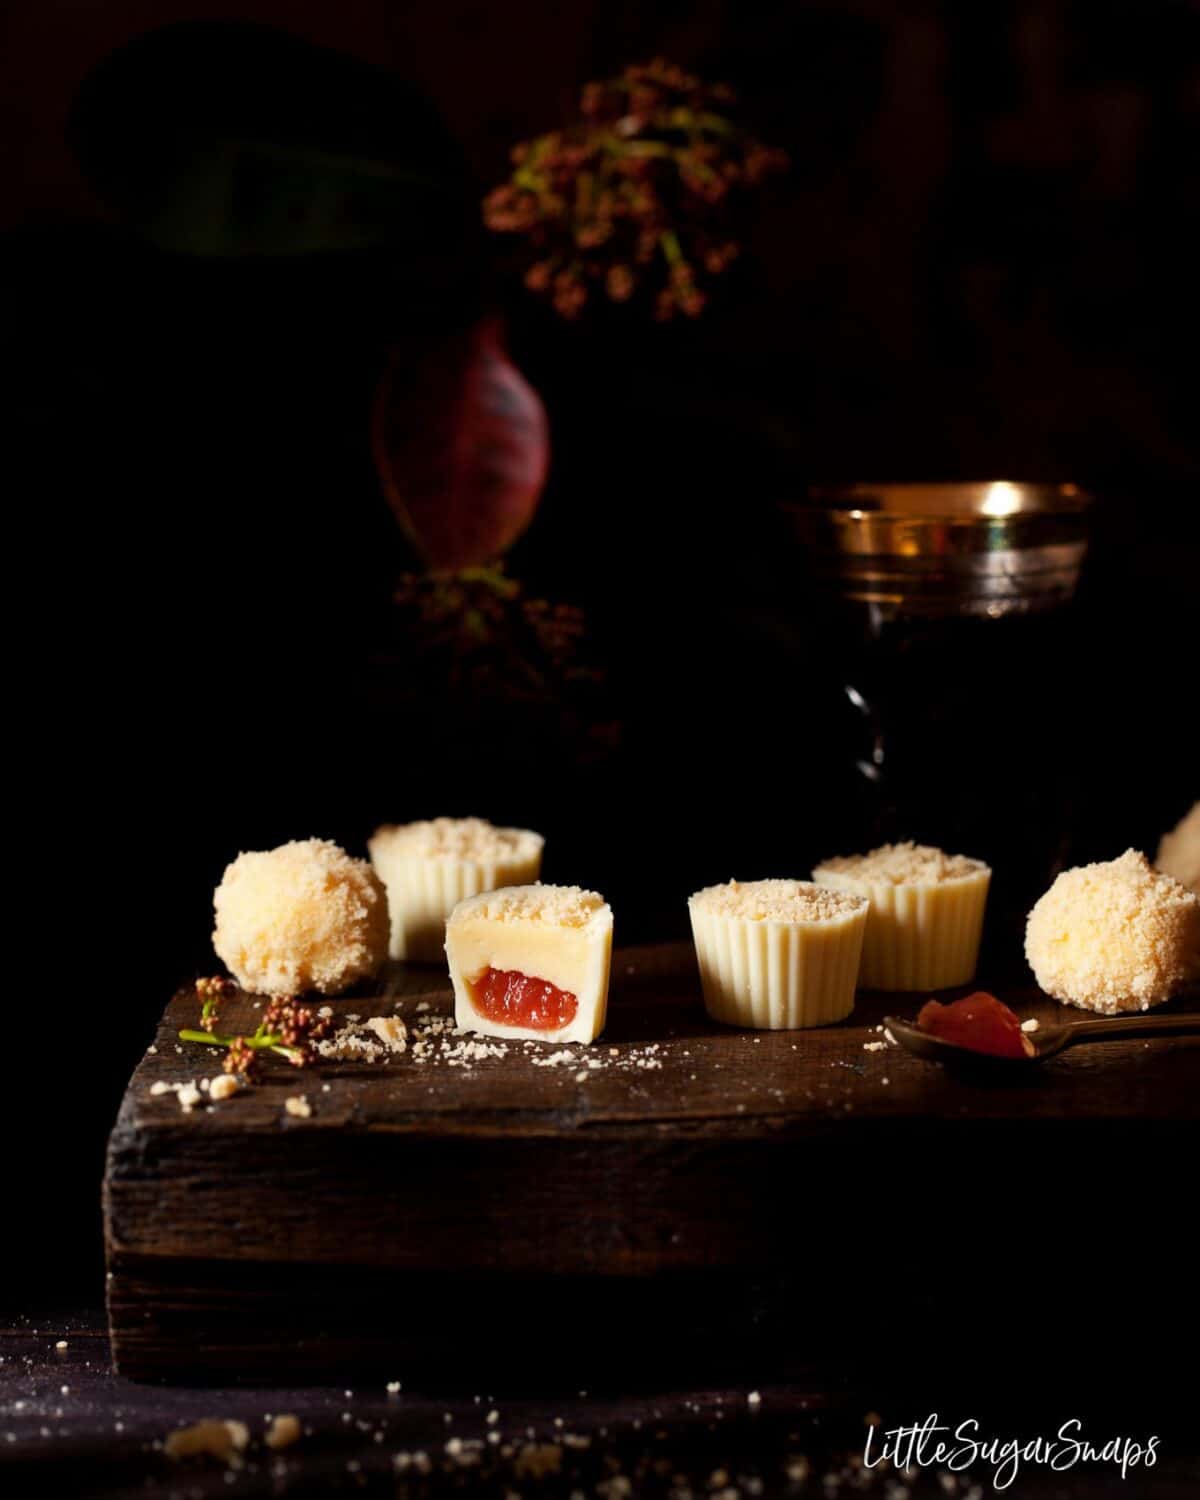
[(966, 1446)]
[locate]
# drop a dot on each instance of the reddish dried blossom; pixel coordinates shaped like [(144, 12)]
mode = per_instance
[(241, 1058), (297, 1026), (639, 195)]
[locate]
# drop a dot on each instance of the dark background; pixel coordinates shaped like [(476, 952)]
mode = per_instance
[(982, 264)]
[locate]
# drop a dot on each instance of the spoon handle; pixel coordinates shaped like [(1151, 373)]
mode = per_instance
[(1111, 1027)]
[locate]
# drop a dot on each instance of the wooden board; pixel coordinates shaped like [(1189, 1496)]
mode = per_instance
[(717, 1185)]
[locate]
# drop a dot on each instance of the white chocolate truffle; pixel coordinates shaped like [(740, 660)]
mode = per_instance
[(1114, 936), (531, 961), (1179, 850), (926, 918), (301, 917), (777, 954), (429, 867)]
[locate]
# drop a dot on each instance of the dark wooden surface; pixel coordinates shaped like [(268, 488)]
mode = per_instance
[(102, 1436), (731, 1200)]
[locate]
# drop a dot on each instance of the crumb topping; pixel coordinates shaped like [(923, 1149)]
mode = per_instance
[(541, 905), (302, 916), (902, 864), (776, 901), (1113, 936), (472, 839)]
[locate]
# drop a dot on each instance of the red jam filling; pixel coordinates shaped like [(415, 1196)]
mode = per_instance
[(510, 998), (980, 1022)]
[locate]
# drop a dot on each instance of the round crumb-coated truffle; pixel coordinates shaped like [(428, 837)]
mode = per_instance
[(1114, 936), (301, 917)]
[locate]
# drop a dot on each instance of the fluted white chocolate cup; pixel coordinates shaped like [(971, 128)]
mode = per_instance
[(920, 936), (773, 955), (424, 888)]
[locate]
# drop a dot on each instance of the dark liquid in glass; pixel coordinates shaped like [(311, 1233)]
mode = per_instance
[(961, 731)]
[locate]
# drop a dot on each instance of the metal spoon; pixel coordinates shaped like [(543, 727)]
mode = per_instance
[(1046, 1043)]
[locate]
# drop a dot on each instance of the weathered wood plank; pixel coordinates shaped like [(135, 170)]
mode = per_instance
[(694, 1151)]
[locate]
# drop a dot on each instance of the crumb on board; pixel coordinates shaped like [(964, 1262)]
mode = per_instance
[(536, 1460), (283, 1431), (223, 1440), (188, 1094), (366, 1041), (298, 1106), (223, 1086), (1032, 1024)]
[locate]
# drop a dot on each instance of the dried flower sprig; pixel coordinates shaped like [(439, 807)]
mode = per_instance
[(497, 660), (287, 1027), (638, 196), (478, 619), (212, 991)]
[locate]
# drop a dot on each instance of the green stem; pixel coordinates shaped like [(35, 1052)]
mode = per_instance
[(259, 1040), (669, 241)]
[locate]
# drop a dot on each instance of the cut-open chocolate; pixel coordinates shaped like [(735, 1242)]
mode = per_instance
[(531, 961)]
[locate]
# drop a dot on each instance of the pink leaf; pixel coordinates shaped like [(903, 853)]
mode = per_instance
[(462, 446)]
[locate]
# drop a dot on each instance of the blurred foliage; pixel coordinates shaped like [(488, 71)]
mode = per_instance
[(639, 198)]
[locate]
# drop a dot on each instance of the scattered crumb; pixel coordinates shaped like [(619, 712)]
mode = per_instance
[(754, 1399), (393, 1387), (223, 1086), (390, 1030), (1032, 1024), (492, 1418), (418, 1460), (366, 1041), (62, 1344), (874, 1046), (187, 1093), (536, 1460), (219, 1439), (283, 1432), (189, 1096), (298, 1106)]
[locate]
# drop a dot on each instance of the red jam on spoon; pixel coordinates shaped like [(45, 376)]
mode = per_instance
[(511, 998), (980, 1022)]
